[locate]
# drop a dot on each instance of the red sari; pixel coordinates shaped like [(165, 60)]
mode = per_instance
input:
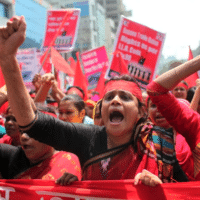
[(53, 167), (126, 163)]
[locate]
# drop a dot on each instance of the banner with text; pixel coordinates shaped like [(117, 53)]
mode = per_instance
[(93, 62), (67, 37), (29, 62), (96, 190), (140, 48)]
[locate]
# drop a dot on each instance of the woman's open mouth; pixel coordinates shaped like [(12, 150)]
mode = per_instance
[(116, 117)]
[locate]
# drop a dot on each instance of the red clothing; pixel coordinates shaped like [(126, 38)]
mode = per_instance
[(185, 121), (6, 139), (53, 167), (126, 164)]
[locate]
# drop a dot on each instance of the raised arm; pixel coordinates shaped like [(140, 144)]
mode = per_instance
[(3, 95), (196, 98), (11, 37), (47, 81), (171, 78)]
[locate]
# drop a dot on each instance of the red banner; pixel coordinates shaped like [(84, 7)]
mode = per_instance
[(96, 190), (93, 62), (140, 48), (65, 40)]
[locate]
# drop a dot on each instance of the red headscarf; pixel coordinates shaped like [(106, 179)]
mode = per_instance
[(124, 85)]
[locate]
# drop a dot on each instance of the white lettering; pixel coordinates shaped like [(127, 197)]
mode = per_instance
[(142, 37), (90, 62), (135, 51), (126, 56), (152, 50), (51, 30), (130, 41), (89, 55), (129, 32), (7, 192), (152, 41), (144, 46), (94, 68), (54, 24)]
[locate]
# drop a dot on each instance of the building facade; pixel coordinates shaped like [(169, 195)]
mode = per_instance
[(114, 10), (6, 11)]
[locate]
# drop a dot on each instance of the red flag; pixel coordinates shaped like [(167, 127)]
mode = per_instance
[(60, 63), (79, 78), (72, 63), (118, 64), (45, 61), (101, 82), (191, 80)]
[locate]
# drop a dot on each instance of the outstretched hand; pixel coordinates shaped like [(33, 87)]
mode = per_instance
[(11, 37), (147, 178)]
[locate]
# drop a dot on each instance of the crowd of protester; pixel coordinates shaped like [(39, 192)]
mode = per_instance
[(151, 136)]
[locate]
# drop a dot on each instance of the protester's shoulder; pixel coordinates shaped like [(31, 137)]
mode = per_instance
[(7, 150)]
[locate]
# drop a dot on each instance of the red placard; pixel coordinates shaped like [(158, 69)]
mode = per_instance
[(93, 62), (140, 48), (66, 38)]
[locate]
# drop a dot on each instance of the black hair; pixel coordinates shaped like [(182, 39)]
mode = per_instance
[(77, 87), (76, 99), (185, 83), (45, 108), (190, 93)]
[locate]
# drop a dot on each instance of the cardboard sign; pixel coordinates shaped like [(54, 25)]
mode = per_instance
[(93, 62), (65, 39), (140, 48)]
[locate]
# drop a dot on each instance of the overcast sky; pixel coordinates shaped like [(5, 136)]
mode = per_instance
[(179, 19)]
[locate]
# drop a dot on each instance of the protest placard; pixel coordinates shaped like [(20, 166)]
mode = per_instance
[(29, 62), (93, 62), (140, 47), (65, 39)]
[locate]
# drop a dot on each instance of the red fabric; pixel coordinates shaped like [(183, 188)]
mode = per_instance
[(6, 139), (75, 91), (124, 85), (45, 61), (191, 80), (101, 82), (182, 85), (122, 166), (53, 168), (60, 63), (118, 64), (183, 119), (72, 63), (121, 189), (48, 113), (79, 78)]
